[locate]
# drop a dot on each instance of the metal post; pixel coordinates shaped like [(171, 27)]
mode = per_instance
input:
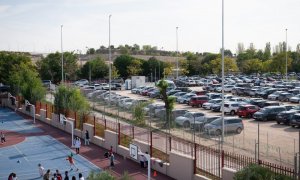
[(109, 56), (177, 53), (62, 55), (258, 142), (222, 107), (286, 49)]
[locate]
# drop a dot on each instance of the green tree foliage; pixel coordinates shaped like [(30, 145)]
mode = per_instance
[(150, 66), (97, 67), (183, 65), (69, 98), (278, 63), (50, 66), (25, 81), (9, 61), (252, 66), (229, 66), (121, 63), (168, 100), (168, 69), (257, 172), (114, 72), (91, 51), (139, 113), (135, 67)]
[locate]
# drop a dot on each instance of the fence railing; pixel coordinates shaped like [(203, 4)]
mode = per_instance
[(208, 161)]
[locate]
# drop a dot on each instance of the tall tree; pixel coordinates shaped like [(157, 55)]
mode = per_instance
[(267, 51), (134, 68), (97, 67), (50, 66), (121, 63), (229, 66)]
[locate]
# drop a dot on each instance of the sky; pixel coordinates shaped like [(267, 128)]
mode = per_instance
[(35, 25)]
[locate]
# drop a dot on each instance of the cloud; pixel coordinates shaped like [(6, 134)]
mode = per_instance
[(4, 8)]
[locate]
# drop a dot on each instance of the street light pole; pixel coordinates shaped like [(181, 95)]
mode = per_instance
[(286, 49), (222, 140), (177, 52), (109, 57), (62, 55)]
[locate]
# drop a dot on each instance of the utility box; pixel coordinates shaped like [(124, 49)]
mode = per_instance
[(127, 84), (137, 81)]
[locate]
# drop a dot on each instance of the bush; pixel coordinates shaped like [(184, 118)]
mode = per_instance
[(257, 172), (103, 175)]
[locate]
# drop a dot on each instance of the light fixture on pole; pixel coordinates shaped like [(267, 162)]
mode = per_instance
[(177, 53), (222, 106), (286, 56), (109, 57), (62, 55)]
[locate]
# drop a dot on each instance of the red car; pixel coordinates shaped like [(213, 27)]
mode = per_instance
[(247, 110), (198, 101)]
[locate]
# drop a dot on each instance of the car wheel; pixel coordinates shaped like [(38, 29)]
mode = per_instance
[(186, 124), (218, 132), (278, 122), (287, 100), (232, 112), (249, 115), (239, 130), (293, 125), (265, 119)]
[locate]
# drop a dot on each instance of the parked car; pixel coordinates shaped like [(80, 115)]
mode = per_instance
[(135, 90), (188, 118), (216, 107), (295, 121), (227, 88), (247, 110), (214, 95), (231, 124), (275, 95), (178, 94), (199, 125), (268, 113), (285, 117), (271, 103), (185, 98), (81, 82), (198, 101), (295, 99), (208, 104), (231, 107)]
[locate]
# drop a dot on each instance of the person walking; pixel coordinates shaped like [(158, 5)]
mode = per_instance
[(41, 170), (2, 135), (87, 138), (77, 145), (112, 159), (12, 176), (71, 162), (66, 175)]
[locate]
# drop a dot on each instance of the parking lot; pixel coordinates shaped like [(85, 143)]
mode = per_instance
[(277, 142)]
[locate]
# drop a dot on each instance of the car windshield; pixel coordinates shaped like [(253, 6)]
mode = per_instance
[(216, 122)]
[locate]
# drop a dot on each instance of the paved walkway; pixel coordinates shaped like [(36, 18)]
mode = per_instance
[(95, 154)]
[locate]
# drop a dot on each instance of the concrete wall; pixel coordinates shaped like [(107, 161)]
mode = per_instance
[(228, 173), (181, 166), (111, 139)]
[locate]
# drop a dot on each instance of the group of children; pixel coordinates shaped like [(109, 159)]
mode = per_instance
[(57, 176)]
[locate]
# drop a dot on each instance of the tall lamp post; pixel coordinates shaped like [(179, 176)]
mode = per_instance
[(62, 55), (222, 107), (109, 57), (286, 57), (177, 53)]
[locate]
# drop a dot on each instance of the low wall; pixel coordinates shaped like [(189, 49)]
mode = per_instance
[(111, 140), (228, 173), (181, 166)]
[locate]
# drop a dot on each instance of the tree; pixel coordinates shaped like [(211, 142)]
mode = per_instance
[(240, 48), (9, 61), (98, 68), (91, 51), (103, 175), (24, 80), (278, 63), (229, 66), (114, 72), (168, 69), (168, 100), (121, 63), (50, 66), (135, 67), (267, 52), (69, 98), (251, 66), (183, 64)]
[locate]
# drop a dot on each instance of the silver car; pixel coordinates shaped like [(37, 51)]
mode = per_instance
[(231, 124)]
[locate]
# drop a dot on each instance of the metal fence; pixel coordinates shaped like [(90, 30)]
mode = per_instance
[(208, 161)]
